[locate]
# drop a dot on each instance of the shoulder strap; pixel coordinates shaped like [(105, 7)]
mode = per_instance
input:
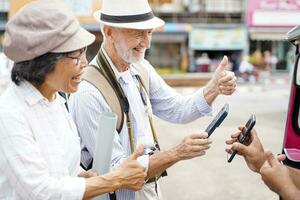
[(143, 75), (93, 75)]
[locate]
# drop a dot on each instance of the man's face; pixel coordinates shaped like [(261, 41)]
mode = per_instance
[(131, 44)]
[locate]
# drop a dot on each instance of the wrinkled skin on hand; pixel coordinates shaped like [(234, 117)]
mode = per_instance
[(192, 146)]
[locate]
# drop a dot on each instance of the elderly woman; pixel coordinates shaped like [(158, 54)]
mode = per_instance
[(39, 145)]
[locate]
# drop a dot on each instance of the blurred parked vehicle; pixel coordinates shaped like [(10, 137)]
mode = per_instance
[(291, 143)]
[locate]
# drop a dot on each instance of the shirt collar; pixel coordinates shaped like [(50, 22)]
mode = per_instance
[(33, 96)]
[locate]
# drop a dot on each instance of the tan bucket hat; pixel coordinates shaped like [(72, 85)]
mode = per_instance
[(133, 14), (43, 26)]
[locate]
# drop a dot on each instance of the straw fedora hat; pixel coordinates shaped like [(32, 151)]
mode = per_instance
[(133, 14)]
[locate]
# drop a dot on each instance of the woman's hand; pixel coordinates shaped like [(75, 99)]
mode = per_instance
[(87, 174), (131, 174)]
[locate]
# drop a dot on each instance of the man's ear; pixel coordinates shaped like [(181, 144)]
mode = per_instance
[(107, 31)]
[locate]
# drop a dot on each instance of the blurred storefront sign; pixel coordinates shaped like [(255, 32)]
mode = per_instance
[(273, 13), (218, 38)]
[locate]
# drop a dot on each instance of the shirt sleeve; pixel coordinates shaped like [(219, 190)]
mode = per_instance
[(25, 168), (173, 107)]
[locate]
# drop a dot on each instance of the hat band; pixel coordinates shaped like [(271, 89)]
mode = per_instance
[(126, 18)]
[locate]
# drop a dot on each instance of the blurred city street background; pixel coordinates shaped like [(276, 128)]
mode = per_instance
[(186, 52)]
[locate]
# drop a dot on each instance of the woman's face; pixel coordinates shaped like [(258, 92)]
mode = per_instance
[(67, 72)]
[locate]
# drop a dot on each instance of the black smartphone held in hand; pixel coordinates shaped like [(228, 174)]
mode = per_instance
[(218, 119), (245, 135)]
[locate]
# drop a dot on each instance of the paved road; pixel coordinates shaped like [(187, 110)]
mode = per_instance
[(211, 177)]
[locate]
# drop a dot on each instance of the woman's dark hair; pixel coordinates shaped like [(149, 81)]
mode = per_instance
[(35, 70)]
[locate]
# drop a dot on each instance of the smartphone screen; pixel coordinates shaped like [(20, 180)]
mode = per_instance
[(218, 119)]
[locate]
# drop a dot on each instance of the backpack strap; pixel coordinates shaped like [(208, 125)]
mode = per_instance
[(143, 75), (93, 75)]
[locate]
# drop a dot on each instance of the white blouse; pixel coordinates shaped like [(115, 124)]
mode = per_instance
[(39, 147)]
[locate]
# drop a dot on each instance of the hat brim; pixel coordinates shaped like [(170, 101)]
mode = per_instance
[(153, 23), (79, 40)]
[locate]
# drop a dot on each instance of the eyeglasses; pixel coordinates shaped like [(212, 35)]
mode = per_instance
[(79, 57)]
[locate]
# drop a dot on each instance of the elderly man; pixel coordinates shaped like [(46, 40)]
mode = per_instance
[(127, 27)]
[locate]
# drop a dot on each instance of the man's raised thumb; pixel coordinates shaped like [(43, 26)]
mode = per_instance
[(138, 152), (223, 64)]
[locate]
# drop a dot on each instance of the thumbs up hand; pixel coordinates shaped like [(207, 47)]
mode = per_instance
[(131, 174), (222, 82)]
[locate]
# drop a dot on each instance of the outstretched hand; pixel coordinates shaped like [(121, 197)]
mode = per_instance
[(194, 145)]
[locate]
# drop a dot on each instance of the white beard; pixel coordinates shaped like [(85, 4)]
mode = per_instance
[(127, 55)]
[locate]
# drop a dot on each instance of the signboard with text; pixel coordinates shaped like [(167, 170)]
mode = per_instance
[(218, 38), (273, 13)]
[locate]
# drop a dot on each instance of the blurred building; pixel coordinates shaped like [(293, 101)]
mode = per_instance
[(194, 27), (268, 22)]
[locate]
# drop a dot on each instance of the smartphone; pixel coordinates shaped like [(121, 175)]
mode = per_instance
[(245, 135), (218, 119)]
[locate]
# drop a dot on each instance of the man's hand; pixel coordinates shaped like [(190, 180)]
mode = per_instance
[(131, 174), (192, 146), (277, 177), (252, 150), (222, 82)]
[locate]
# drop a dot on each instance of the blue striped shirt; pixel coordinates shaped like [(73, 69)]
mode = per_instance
[(86, 105)]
